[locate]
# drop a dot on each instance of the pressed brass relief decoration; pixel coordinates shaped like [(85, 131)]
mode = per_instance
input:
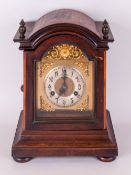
[(44, 66), (83, 66), (84, 105), (64, 51), (45, 106)]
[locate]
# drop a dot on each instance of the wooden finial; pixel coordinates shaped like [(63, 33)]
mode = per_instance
[(22, 29), (105, 29)]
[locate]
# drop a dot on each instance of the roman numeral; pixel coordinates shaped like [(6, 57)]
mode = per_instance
[(72, 100), (77, 78), (57, 99), (56, 73), (64, 102), (49, 87), (79, 87), (51, 79), (72, 73), (64, 71)]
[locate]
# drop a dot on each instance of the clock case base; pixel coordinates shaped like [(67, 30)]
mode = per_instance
[(100, 143)]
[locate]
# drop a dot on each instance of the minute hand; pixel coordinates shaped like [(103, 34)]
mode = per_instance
[(64, 87), (64, 78)]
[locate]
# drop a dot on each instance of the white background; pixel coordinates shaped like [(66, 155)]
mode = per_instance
[(118, 14)]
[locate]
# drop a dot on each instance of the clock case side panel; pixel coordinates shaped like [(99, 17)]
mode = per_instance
[(29, 89)]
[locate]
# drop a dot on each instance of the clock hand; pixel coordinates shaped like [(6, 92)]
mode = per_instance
[(64, 78), (64, 73), (62, 90), (64, 86)]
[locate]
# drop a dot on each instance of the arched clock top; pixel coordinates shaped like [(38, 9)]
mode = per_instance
[(62, 22)]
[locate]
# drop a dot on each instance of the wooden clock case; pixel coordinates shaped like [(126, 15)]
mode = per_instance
[(61, 136)]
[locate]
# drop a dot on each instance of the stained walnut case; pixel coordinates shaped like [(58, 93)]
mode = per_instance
[(64, 88)]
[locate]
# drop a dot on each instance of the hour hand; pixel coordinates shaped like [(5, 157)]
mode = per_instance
[(62, 89)]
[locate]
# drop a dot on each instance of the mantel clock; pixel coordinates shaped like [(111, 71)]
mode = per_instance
[(64, 88)]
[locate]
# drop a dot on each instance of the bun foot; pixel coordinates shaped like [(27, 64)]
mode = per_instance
[(106, 159), (22, 159)]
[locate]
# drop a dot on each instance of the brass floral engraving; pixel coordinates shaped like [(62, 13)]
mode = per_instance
[(45, 106), (44, 66), (64, 52), (84, 105), (83, 66)]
